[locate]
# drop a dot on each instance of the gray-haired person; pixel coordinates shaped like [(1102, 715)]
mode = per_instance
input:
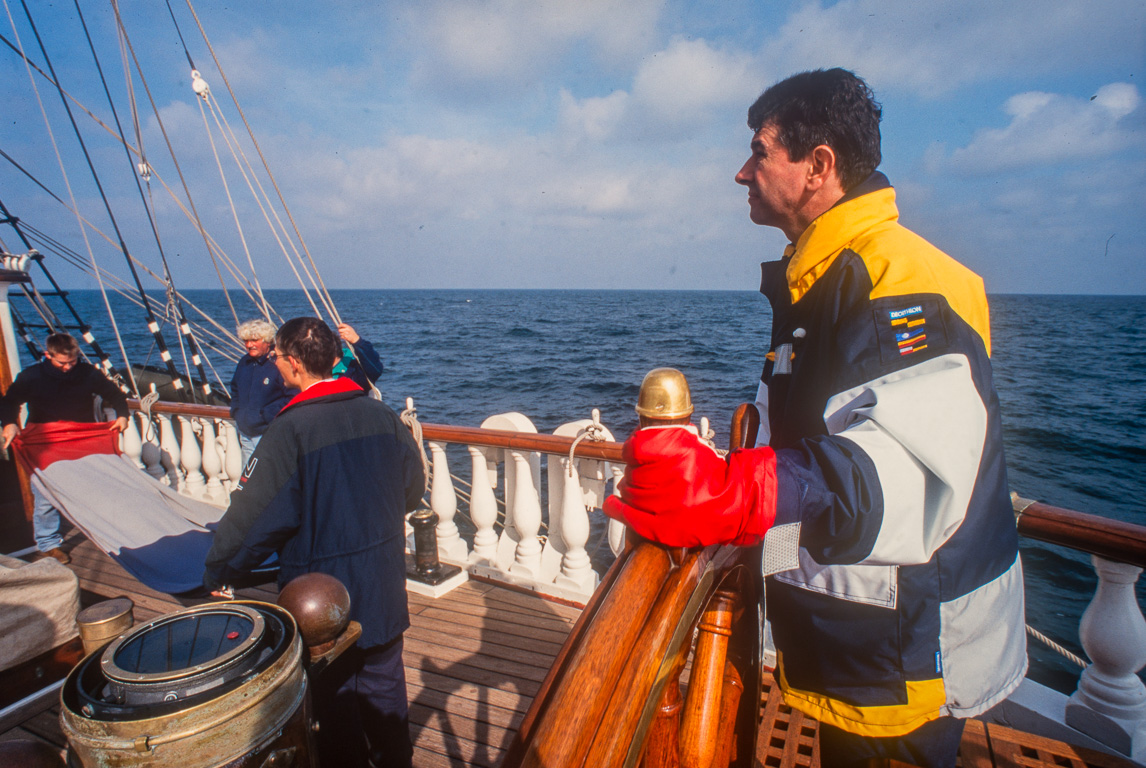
[(258, 392)]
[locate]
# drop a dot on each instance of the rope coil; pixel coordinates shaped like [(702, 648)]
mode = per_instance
[(594, 432)]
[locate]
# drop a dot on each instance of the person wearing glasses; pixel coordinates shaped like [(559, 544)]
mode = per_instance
[(327, 489)]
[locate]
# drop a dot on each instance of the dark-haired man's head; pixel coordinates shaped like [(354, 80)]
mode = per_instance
[(310, 342), (830, 107), (62, 351)]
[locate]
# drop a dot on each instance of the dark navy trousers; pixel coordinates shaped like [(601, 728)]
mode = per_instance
[(934, 744), (360, 704)]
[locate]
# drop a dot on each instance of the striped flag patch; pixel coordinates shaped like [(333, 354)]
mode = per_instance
[(910, 329)]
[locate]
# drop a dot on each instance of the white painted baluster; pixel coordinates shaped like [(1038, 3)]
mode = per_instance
[(131, 443), (212, 464), (512, 533), (192, 459), (444, 502), (1110, 703), (526, 515), (169, 452), (588, 479), (233, 455), (221, 452), (150, 454), (576, 569), (616, 527), (483, 509)]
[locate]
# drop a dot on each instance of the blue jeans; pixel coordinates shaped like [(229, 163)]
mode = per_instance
[(247, 444), (45, 520)]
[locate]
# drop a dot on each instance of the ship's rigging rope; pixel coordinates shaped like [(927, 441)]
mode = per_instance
[(324, 294), (71, 193), (165, 355), (214, 250), (302, 263), (1056, 647), (41, 305), (410, 419), (152, 323), (234, 213)]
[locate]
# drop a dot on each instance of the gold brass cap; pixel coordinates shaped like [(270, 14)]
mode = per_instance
[(664, 395)]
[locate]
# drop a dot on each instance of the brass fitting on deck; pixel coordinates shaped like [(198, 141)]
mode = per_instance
[(664, 397)]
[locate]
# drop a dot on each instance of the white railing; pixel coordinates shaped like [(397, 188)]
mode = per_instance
[(514, 533), (198, 455), (518, 536)]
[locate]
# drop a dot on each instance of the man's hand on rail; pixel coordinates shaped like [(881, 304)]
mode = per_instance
[(120, 424), (678, 491)]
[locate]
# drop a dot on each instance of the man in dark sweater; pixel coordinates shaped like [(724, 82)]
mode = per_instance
[(60, 387), (328, 488)]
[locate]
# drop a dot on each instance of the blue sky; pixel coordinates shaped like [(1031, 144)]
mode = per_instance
[(527, 144)]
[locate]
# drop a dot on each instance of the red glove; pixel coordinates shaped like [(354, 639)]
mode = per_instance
[(680, 492)]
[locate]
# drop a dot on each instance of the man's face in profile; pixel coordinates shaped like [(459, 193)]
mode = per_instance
[(776, 184)]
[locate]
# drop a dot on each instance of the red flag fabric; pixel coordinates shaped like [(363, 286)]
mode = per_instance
[(39, 445)]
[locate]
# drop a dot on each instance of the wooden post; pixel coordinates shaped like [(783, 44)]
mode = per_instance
[(662, 749), (729, 706), (698, 733)]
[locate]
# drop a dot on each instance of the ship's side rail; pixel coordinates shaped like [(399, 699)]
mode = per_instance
[(519, 528), (506, 522)]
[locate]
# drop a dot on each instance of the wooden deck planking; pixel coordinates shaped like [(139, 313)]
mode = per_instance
[(476, 657)]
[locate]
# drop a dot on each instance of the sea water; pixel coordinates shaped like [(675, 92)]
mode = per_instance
[(1069, 371)]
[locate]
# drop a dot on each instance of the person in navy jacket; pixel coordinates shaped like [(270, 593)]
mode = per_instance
[(258, 392), (358, 361), (327, 489)]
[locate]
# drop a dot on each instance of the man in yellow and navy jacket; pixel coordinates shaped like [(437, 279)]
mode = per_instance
[(896, 592)]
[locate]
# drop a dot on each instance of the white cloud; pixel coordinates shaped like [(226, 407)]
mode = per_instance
[(510, 42), (594, 118), (1051, 129), (690, 77), (933, 47), (674, 91)]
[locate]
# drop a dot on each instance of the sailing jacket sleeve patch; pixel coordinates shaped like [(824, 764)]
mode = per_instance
[(907, 327)]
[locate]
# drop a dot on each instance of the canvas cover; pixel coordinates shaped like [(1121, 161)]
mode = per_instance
[(158, 535), (38, 606)]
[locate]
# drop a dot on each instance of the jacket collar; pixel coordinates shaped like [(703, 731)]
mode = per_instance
[(324, 388), (869, 204)]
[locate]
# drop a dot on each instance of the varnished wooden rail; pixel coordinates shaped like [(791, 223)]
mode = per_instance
[(1110, 539)]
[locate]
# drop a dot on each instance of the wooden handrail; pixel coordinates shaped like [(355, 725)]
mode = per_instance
[(1111, 539), (521, 441), (184, 409)]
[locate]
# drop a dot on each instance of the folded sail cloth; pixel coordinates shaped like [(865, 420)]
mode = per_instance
[(157, 535), (38, 602)]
